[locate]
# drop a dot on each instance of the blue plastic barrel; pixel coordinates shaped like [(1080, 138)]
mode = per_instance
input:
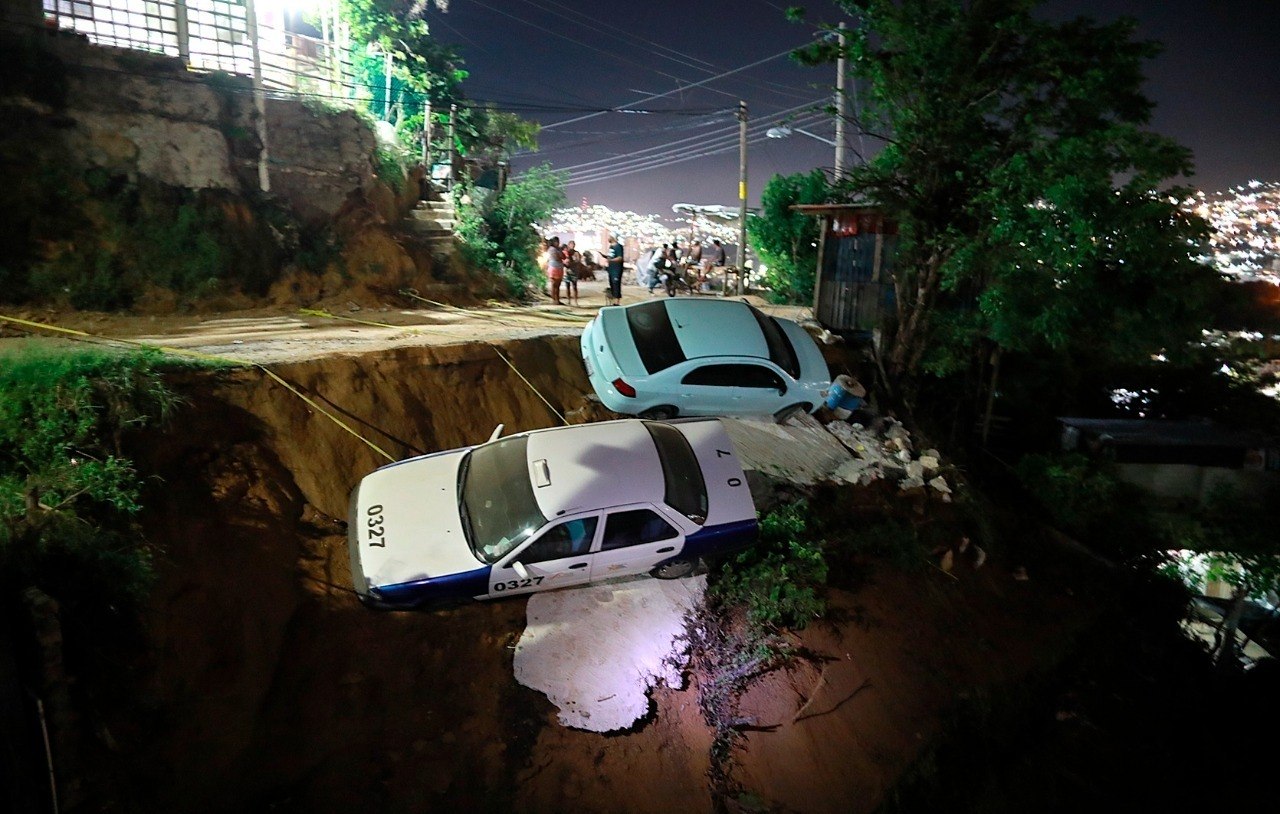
[(840, 399)]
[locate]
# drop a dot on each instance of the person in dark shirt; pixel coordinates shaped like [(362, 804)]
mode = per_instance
[(614, 296)]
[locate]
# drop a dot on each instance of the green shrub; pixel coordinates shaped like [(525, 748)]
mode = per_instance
[(68, 493), (780, 580), (1086, 498), (388, 165), (895, 540)]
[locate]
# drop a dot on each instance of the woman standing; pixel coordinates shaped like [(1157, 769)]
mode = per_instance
[(555, 268)]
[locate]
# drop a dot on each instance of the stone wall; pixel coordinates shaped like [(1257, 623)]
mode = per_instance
[(143, 116)]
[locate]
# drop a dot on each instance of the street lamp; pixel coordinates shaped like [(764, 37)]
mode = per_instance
[(785, 132)]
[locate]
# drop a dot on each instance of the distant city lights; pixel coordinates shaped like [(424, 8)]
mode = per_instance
[(1245, 242)]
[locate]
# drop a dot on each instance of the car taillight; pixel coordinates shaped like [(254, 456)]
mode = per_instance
[(624, 388)]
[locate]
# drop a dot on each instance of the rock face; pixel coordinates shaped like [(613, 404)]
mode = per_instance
[(318, 157), (144, 117)]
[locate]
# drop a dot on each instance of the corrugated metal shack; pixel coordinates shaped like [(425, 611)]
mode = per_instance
[(855, 265)]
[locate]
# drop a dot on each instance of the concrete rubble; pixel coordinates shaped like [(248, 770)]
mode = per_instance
[(597, 651), (887, 454)]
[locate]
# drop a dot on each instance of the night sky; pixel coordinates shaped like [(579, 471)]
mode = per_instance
[(1216, 86)]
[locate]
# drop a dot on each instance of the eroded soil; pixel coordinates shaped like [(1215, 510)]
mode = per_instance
[(264, 685)]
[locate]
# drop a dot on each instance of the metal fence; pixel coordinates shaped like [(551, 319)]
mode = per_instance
[(214, 35)]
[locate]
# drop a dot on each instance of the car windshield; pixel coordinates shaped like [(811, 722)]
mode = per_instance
[(495, 498), (685, 490), (781, 353), (654, 336)]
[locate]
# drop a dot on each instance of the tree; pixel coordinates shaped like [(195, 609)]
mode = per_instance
[(786, 240), (499, 231), (1235, 536), (425, 69), (1035, 210)]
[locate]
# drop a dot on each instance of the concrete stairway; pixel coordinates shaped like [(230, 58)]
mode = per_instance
[(434, 221)]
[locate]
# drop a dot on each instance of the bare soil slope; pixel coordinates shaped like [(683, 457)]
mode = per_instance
[(265, 685)]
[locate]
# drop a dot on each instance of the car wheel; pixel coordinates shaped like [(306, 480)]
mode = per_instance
[(786, 412), (673, 569), (659, 413)]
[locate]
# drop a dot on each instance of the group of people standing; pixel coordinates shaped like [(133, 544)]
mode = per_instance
[(565, 265), (668, 264)]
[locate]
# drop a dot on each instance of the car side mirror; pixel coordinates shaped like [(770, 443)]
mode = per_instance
[(520, 570)]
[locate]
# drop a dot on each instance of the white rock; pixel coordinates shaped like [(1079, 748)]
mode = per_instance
[(595, 652), (910, 483), (929, 462), (940, 483)]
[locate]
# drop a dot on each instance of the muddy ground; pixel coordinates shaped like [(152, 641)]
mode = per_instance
[(261, 683)]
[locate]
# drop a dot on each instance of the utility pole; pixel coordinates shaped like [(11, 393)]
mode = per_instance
[(453, 144), (742, 199), (259, 96), (840, 106)]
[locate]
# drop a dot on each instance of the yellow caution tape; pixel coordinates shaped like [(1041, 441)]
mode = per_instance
[(535, 390), (208, 358)]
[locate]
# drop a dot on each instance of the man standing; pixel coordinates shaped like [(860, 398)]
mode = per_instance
[(615, 273), (716, 257)]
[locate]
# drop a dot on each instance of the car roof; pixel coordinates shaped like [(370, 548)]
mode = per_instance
[(594, 466), (707, 327)]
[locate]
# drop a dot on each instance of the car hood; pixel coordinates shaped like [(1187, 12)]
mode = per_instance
[(417, 500)]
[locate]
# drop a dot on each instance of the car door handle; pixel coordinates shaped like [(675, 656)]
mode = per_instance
[(579, 565), (666, 550)]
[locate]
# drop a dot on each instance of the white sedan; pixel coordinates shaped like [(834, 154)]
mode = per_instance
[(548, 509), (702, 356)]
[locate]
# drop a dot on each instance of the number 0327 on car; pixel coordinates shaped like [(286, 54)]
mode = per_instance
[(549, 509)]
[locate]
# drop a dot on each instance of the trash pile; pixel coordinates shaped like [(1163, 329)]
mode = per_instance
[(887, 454)]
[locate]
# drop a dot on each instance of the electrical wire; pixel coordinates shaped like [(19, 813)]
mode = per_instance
[(723, 144), (699, 83), (663, 162), (674, 148), (671, 144)]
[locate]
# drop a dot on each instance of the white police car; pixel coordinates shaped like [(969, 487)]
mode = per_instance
[(548, 509)]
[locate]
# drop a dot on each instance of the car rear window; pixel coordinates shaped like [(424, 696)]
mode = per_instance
[(495, 498), (654, 336), (780, 350), (684, 489)]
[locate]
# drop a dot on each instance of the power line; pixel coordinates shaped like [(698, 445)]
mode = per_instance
[(680, 57), (670, 144), (653, 161), (712, 147), (586, 45), (699, 83)]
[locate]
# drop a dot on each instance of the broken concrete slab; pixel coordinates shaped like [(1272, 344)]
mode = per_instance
[(597, 651), (801, 451)]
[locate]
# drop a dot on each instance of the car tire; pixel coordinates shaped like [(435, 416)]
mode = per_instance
[(674, 569), (786, 412), (660, 413)]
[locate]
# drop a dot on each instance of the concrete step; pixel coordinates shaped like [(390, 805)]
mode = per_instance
[(438, 207)]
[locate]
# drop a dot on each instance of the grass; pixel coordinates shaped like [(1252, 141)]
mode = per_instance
[(68, 492)]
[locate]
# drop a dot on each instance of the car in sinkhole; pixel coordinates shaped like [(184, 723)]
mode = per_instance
[(548, 509), (700, 357)]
